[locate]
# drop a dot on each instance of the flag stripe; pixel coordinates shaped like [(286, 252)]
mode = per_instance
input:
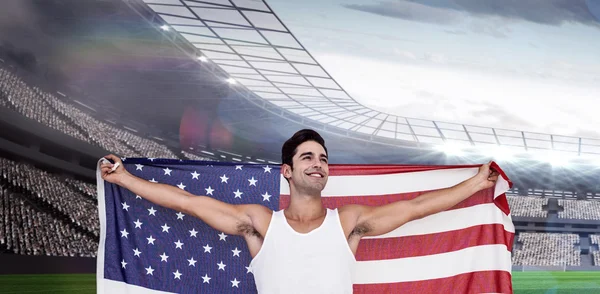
[(443, 265), (421, 245), (481, 197), (476, 282), (380, 169), (390, 183)]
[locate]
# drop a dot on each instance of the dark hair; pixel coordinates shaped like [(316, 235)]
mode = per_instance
[(290, 147)]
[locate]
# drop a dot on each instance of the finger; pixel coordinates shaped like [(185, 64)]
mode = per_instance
[(113, 157)]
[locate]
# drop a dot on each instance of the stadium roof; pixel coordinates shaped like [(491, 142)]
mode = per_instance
[(254, 50)]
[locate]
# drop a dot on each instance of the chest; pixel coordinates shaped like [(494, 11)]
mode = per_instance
[(306, 226)]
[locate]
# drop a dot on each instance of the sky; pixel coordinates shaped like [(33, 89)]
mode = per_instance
[(530, 65)]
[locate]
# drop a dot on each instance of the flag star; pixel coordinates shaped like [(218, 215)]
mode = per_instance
[(224, 179), (209, 190), (180, 215), (221, 265), (181, 186), (238, 194), (206, 279), (192, 262), (252, 182), (138, 224), (149, 270), (207, 248), (238, 167), (152, 211), (178, 244), (164, 257), (123, 158), (236, 252), (138, 167), (151, 240), (267, 169), (195, 175), (138, 197), (136, 252), (222, 236), (167, 171), (193, 233), (165, 228), (124, 233), (153, 181), (249, 269), (266, 197), (177, 274), (125, 206), (235, 283), (151, 159), (123, 263)]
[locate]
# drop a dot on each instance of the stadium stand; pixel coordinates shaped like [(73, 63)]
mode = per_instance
[(527, 206), (51, 192), (579, 209), (547, 249), (595, 240), (26, 230)]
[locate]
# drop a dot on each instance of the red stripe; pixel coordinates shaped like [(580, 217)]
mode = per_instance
[(382, 169), (421, 245), (481, 197), (476, 282)]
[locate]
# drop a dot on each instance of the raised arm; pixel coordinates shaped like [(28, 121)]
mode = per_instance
[(228, 218), (379, 220)]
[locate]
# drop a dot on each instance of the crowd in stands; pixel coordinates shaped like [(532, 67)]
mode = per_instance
[(52, 192), (547, 249), (27, 230), (49, 110), (595, 240), (579, 209), (527, 206)]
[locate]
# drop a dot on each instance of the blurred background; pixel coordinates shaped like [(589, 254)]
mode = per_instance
[(385, 82)]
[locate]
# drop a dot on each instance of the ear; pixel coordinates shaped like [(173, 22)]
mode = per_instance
[(287, 171)]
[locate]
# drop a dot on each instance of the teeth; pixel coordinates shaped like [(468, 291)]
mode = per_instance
[(316, 175)]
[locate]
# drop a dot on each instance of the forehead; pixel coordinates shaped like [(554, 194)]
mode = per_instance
[(310, 146)]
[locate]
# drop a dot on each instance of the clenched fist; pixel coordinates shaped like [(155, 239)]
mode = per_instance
[(112, 174)]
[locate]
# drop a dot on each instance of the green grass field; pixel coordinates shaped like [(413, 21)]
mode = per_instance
[(523, 282)]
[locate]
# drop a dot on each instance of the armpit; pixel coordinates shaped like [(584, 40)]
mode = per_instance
[(248, 230)]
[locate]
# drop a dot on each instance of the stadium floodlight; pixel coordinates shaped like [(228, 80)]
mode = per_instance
[(450, 148), (555, 158), (202, 58), (231, 81), (164, 27), (502, 153)]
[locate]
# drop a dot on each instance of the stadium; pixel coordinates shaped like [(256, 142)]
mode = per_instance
[(227, 81)]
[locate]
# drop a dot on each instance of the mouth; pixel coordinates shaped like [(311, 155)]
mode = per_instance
[(316, 175)]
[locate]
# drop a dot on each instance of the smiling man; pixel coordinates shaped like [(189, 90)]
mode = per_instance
[(306, 247)]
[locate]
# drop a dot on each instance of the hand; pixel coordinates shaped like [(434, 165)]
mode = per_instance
[(487, 176), (113, 176)]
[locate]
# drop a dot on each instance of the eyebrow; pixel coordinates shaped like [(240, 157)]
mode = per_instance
[(310, 153)]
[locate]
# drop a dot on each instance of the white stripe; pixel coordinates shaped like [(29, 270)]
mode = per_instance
[(472, 259), (391, 183), (451, 220), (100, 285), (122, 287)]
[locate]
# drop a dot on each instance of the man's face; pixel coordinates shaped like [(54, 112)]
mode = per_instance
[(311, 168)]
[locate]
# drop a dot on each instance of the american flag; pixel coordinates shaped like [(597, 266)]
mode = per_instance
[(146, 248)]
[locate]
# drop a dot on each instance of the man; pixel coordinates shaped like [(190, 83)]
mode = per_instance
[(305, 248)]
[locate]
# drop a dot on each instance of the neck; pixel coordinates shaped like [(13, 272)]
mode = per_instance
[(304, 206)]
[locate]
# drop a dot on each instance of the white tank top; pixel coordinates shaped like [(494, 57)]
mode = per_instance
[(316, 262)]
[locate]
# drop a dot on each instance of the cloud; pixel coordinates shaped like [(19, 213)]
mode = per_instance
[(549, 12), (410, 11)]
